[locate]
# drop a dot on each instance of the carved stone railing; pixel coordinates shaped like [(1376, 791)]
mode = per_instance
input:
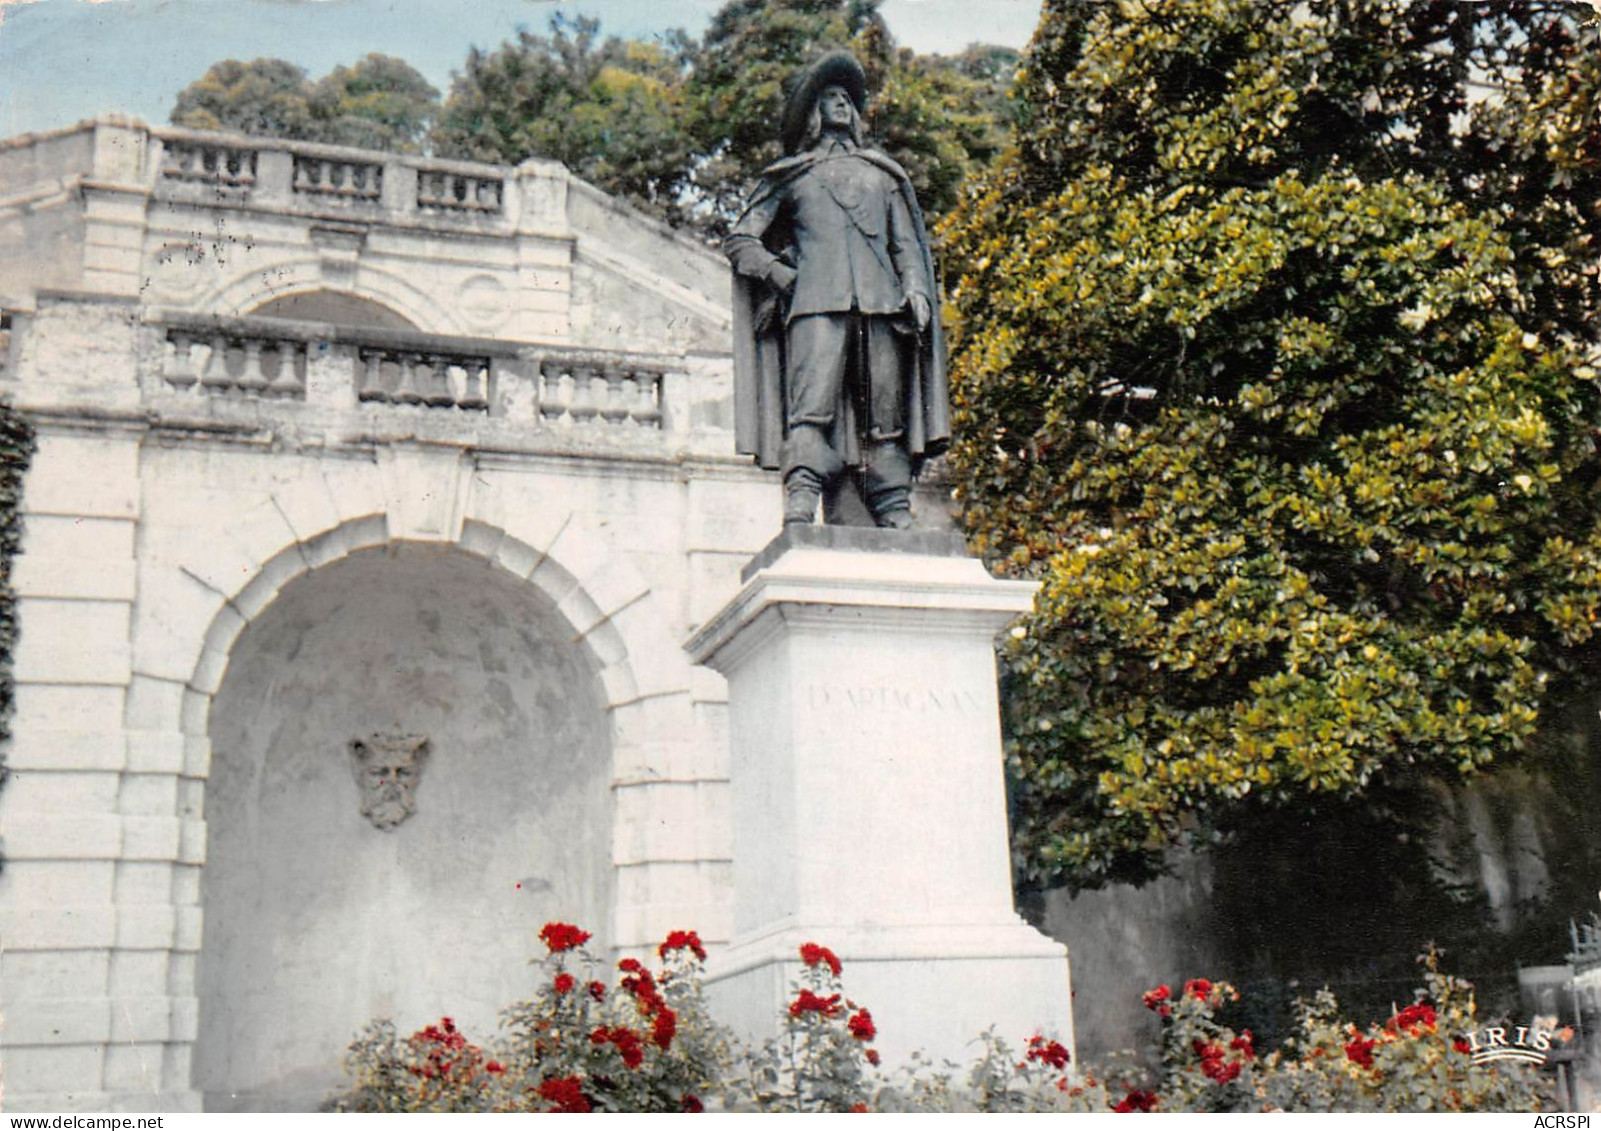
[(459, 192), (354, 367), (314, 178), (434, 379), (213, 360), (220, 163), (577, 389), (355, 180)]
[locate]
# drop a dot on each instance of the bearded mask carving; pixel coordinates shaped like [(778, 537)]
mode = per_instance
[(388, 769)]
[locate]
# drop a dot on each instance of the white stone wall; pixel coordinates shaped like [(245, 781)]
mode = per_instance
[(316, 921), (147, 554), (168, 525), (114, 208)]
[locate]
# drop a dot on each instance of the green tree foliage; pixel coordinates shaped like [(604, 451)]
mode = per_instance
[(379, 103), (609, 109), (680, 127), (270, 97), (1273, 363)]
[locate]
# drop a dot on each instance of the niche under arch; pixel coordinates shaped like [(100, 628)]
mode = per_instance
[(316, 921), (336, 307)]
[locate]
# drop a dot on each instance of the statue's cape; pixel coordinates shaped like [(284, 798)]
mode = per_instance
[(759, 364)]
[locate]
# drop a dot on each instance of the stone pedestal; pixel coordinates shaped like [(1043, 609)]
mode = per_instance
[(869, 804)]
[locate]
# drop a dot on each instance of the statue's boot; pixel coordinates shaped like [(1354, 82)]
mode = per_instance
[(888, 484), (809, 461), (803, 489)]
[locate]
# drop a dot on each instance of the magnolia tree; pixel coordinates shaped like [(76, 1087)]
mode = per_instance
[(1274, 362)]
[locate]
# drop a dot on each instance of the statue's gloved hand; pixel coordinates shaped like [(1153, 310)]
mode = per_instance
[(782, 278), (921, 311)]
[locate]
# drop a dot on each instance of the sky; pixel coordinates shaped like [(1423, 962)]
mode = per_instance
[(65, 60)]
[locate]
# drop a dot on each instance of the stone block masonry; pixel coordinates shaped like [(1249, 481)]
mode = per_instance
[(868, 800)]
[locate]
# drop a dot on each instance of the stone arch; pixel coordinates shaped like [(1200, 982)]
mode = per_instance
[(590, 610), (249, 289), (592, 616)]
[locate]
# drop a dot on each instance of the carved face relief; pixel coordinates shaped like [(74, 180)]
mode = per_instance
[(388, 768)]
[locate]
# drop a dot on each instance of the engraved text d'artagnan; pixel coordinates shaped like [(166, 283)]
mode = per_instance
[(886, 698)]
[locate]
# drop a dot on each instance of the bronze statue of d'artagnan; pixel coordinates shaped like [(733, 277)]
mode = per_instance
[(839, 371)]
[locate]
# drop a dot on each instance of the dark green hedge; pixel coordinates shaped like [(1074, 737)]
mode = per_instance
[(16, 450)]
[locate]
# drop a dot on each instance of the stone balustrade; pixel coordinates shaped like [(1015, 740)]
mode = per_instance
[(579, 389), (459, 192), (433, 379), (360, 180), (234, 362), (216, 163), (203, 356), (310, 177)]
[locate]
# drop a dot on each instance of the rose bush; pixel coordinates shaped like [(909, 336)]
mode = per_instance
[(579, 1045), (648, 1043), (1419, 1060)]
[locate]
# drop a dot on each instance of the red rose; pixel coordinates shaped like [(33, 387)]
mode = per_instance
[(813, 955), (1214, 1060), (691, 1104), (1052, 1053), (1136, 1101), (628, 1046), (1412, 1019), (494, 1068), (808, 1002), (567, 1093), (1461, 1046), (643, 988), (872, 1057), (1244, 1044), (564, 983), (682, 940), (624, 1040), (663, 1028), (562, 936), (632, 966), (858, 1109), (1156, 999), (1359, 1050), (597, 990), (861, 1026)]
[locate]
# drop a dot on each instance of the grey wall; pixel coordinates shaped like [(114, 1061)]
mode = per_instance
[(1124, 941), (315, 921)]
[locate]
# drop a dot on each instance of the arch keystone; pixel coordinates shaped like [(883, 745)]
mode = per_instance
[(424, 491)]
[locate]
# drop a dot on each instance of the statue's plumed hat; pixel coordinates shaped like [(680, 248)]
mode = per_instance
[(837, 68)]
